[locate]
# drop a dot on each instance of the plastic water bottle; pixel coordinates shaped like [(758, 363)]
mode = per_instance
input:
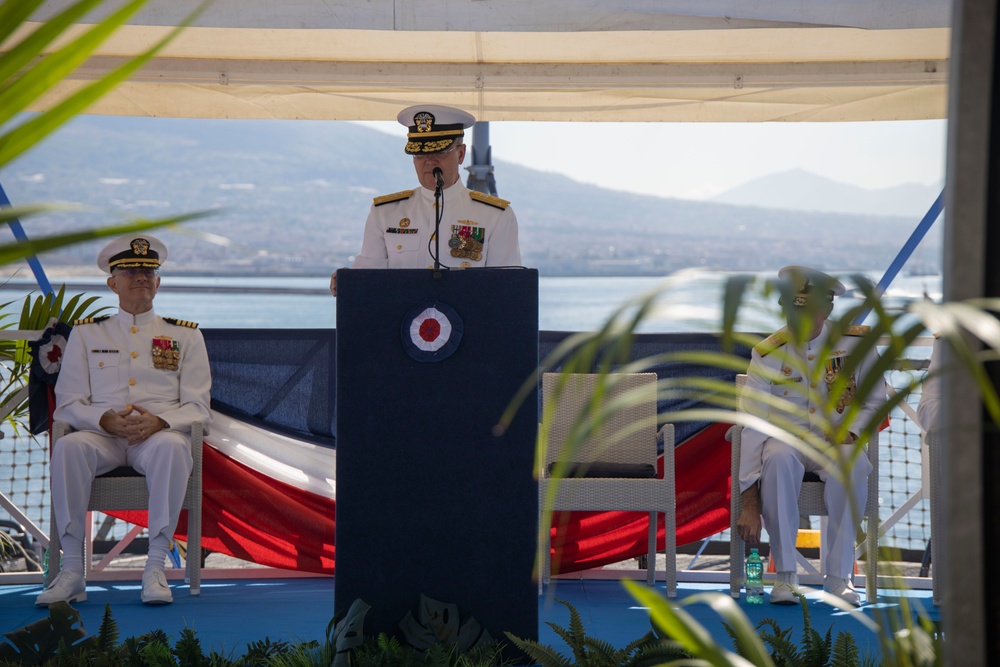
[(755, 578)]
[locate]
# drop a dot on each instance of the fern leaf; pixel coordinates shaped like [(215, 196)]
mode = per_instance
[(546, 656), (157, 654), (107, 636), (845, 652), (188, 649)]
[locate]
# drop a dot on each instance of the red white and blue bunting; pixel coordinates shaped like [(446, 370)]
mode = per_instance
[(431, 331)]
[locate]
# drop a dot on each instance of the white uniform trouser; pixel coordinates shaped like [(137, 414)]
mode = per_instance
[(164, 458), (780, 482)]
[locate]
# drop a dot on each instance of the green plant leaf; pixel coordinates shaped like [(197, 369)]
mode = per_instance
[(35, 643), (42, 77), (681, 626), (21, 54)]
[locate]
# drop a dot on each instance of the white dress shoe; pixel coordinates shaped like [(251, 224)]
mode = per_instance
[(66, 587), (154, 588), (843, 589), (785, 589)]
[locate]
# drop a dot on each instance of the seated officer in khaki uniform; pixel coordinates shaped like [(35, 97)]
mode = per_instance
[(130, 385), (771, 470), (477, 229)]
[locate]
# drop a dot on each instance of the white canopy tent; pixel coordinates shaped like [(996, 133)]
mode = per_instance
[(562, 60)]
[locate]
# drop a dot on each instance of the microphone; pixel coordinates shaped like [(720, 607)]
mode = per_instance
[(438, 213)]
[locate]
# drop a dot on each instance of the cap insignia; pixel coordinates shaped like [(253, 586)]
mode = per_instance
[(140, 247), (424, 121)]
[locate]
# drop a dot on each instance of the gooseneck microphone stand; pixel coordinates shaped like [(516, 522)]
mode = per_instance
[(438, 214)]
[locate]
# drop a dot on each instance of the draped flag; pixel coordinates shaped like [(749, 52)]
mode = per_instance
[(46, 360), (259, 507)]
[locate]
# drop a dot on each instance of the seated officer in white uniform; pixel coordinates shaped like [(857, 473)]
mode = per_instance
[(771, 470), (477, 229), (130, 385)]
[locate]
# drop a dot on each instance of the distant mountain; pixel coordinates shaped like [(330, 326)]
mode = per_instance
[(291, 197), (799, 190)]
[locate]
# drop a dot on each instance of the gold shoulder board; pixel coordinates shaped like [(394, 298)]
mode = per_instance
[(181, 323), (91, 320), (858, 330), (772, 343), (395, 196), (501, 204)]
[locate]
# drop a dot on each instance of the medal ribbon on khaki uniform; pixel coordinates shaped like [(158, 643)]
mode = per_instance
[(833, 368)]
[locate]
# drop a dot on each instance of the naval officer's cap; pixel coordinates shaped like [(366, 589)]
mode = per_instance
[(132, 251), (433, 128), (805, 282)]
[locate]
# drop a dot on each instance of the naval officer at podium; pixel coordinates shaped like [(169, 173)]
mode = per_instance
[(476, 229)]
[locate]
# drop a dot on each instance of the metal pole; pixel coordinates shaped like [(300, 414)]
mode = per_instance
[(481, 168), (33, 262)]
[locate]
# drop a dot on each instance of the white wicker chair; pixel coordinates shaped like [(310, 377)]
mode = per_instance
[(125, 489), (811, 503), (627, 436)]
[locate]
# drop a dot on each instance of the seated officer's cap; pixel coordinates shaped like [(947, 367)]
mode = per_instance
[(132, 251), (433, 128), (804, 281)]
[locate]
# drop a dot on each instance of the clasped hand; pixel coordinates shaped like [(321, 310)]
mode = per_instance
[(135, 423)]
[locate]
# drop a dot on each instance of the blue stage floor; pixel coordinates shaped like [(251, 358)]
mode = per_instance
[(231, 613)]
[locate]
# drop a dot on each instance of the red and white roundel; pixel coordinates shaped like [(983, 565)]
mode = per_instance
[(431, 332)]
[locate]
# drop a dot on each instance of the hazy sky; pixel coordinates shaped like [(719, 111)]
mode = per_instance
[(699, 160)]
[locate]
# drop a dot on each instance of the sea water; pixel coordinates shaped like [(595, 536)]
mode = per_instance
[(685, 302)]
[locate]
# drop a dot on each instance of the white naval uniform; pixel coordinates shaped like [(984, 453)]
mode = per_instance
[(399, 230), (107, 365), (780, 467)]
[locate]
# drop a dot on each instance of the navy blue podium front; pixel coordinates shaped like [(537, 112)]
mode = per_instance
[(429, 499)]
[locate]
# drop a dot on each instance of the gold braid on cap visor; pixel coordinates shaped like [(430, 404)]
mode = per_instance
[(802, 299), (428, 146)]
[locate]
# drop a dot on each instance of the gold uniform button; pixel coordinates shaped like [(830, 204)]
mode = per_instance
[(812, 410), (100, 364), (811, 357), (136, 354), (399, 247), (786, 392), (131, 382), (134, 329)]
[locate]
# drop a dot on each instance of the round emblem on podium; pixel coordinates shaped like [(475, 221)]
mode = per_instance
[(431, 331)]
